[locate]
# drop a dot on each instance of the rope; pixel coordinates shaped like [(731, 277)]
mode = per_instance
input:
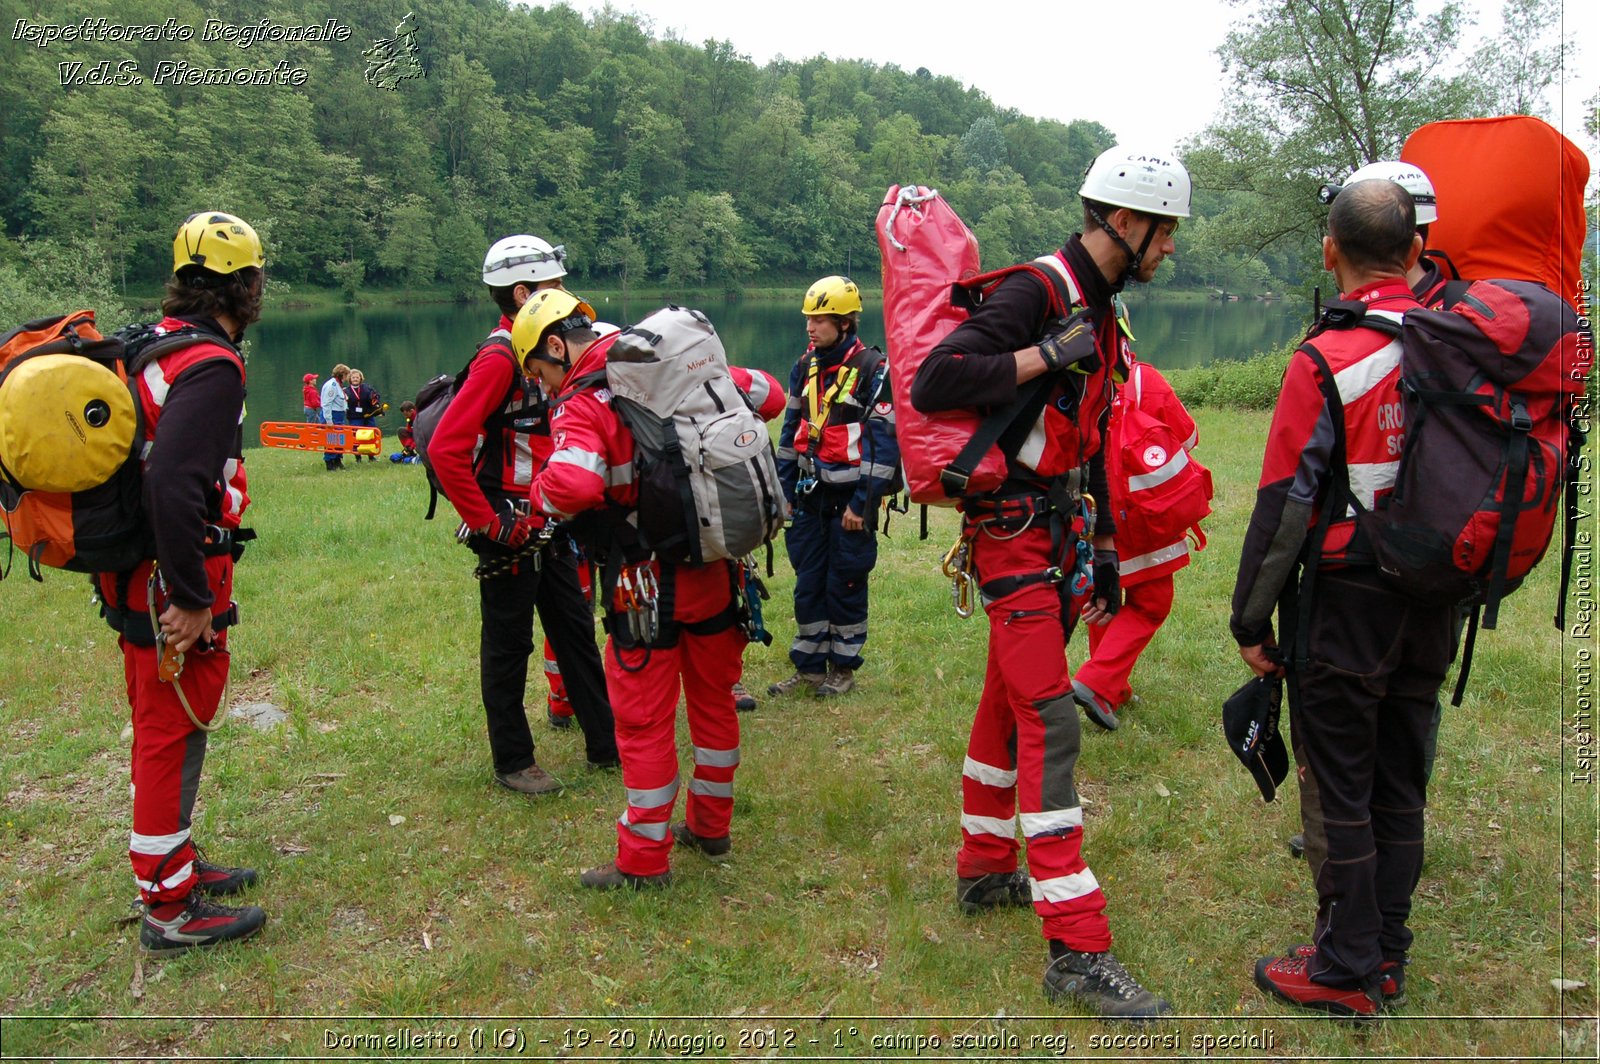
[(169, 664), (908, 197)]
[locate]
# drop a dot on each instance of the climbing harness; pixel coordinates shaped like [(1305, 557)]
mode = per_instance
[(532, 551)]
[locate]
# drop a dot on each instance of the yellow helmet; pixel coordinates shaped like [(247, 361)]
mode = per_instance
[(832, 295), (544, 309), (218, 242)]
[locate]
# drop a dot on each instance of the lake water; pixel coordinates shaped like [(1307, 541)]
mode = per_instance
[(399, 348)]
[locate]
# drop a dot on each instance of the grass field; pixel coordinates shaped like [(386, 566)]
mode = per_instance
[(833, 921)]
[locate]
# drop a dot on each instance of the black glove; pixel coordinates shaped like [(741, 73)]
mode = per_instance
[(1073, 346), (1107, 585)]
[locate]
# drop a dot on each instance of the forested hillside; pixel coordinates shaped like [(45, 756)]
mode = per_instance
[(653, 160)]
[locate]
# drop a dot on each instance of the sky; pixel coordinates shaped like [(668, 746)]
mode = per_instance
[(1156, 81)]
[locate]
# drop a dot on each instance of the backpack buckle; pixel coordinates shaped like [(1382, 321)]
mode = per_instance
[(1521, 420)]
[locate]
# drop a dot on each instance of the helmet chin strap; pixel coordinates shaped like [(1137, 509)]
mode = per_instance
[(1131, 271)]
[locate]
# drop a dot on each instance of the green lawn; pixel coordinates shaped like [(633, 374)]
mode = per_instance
[(834, 920)]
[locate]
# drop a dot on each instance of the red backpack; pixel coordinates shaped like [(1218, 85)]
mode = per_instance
[(1160, 487), (931, 283), (1489, 389)]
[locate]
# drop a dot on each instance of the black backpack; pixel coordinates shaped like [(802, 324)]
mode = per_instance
[(435, 398)]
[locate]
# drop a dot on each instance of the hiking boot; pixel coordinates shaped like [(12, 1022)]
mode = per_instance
[(808, 681), (714, 847), (531, 780), (609, 877), (559, 720), (743, 700), (838, 682), (1100, 982), (605, 764), (1297, 844), (1287, 978), (1095, 708), (217, 880), (997, 890), (196, 921), (1393, 973)]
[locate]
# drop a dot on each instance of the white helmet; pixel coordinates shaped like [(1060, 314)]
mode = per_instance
[(1409, 177), (523, 259), (1150, 182)]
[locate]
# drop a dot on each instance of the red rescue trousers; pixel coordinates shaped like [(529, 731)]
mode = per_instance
[(1027, 707), (558, 703), (168, 750), (1114, 648), (644, 685)]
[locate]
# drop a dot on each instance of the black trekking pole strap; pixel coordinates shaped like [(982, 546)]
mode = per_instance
[(1510, 503), (1466, 656)]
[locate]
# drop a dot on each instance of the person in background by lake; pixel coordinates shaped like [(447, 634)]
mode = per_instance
[(837, 459), (364, 404), (485, 452), (407, 434), (333, 410), (311, 399)]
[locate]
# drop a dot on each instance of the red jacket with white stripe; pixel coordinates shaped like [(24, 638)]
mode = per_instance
[(1141, 555), (591, 460), (493, 437), (1296, 471)]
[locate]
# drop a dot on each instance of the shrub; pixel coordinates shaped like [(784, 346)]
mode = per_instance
[(1252, 384)]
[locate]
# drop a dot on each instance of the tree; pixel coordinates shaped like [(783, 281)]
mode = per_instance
[(1514, 67), (410, 251), (1320, 87), (982, 146)]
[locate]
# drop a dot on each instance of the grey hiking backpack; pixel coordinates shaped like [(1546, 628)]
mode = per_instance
[(708, 479)]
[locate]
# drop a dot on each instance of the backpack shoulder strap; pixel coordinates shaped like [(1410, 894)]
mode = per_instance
[(1338, 495), (1061, 287), (143, 345)]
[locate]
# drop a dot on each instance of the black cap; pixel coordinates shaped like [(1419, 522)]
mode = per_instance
[(1250, 724)]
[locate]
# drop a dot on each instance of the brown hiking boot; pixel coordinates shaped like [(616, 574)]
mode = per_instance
[(609, 877), (743, 700), (838, 682), (800, 681), (716, 848), (531, 780)]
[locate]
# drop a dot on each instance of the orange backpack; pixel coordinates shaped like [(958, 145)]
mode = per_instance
[(71, 437), (1510, 194)]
